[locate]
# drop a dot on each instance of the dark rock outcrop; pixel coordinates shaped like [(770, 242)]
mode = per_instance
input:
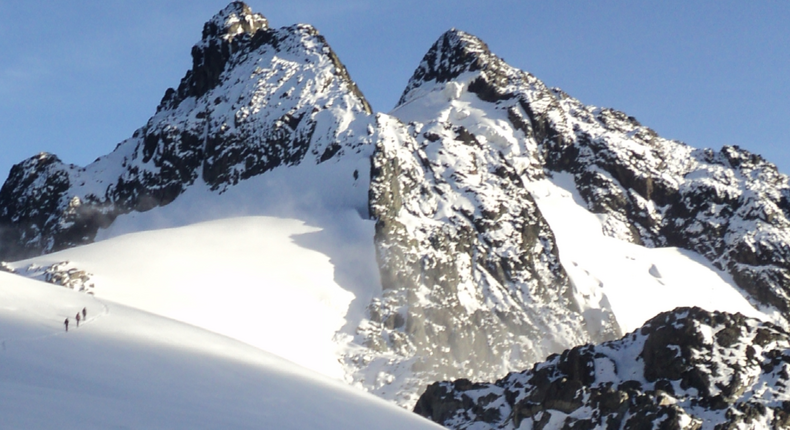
[(681, 370)]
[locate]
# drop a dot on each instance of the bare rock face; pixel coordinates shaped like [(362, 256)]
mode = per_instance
[(253, 100), (681, 370)]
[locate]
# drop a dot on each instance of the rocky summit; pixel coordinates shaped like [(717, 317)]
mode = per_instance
[(256, 98), (730, 206), (473, 279), (685, 369)]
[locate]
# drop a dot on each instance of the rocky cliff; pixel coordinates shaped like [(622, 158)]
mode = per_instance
[(471, 280)]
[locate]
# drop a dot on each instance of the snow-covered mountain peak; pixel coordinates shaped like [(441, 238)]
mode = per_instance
[(231, 30), (467, 259), (235, 19), (454, 53), (256, 100), (730, 206), (235, 35)]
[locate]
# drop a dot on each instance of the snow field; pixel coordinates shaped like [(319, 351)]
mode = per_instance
[(241, 277), (637, 282), (284, 271), (128, 369)]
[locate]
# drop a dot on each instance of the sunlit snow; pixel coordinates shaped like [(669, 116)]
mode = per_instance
[(128, 369), (637, 282), (284, 282)]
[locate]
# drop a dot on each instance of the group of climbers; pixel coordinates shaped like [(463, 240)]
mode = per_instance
[(78, 318)]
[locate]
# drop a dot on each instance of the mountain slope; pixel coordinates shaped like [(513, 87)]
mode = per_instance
[(124, 368), (241, 277), (730, 206), (470, 276), (473, 279), (638, 282), (301, 287)]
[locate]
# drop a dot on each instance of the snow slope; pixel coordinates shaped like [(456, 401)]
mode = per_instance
[(281, 261), (636, 281), (242, 277), (125, 368)]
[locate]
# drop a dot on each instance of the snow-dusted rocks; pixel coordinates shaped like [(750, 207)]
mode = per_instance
[(469, 264), (472, 284), (34, 203), (255, 99), (730, 206), (686, 369)]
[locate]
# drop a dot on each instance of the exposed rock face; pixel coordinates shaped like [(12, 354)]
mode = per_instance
[(686, 369), (255, 99), (34, 202), (469, 269), (211, 55)]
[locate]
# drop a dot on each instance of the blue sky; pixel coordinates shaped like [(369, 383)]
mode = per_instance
[(76, 78)]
